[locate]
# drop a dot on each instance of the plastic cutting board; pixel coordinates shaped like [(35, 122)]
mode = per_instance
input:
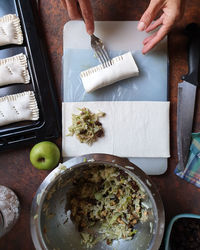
[(118, 37)]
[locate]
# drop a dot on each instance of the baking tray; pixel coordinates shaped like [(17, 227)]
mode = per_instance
[(49, 124)]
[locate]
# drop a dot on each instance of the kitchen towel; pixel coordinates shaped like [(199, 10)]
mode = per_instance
[(132, 129), (191, 172)]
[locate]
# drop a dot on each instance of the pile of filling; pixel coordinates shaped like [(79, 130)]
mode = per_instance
[(106, 204), (86, 126)]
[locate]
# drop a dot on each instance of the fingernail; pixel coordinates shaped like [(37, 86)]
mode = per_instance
[(144, 51), (141, 26), (90, 32)]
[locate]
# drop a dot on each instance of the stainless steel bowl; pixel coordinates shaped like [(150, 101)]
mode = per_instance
[(49, 228)]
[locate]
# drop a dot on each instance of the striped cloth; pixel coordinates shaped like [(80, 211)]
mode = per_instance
[(191, 172)]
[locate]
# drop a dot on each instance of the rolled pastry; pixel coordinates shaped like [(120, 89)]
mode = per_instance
[(121, 67), (14, 70), (10, 30), (18, 107)]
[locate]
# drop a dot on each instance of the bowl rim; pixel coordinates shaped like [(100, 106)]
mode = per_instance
[(171, 223), (113, 160)]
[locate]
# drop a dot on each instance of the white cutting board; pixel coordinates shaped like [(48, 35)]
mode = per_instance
[(118, 36)]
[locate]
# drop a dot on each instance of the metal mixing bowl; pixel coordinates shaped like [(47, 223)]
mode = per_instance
[(49, 228)]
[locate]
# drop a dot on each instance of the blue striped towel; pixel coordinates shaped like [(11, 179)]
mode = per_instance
[(191, 172)]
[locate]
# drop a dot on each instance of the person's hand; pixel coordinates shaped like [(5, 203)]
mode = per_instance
[(172, 10), (81, 9)]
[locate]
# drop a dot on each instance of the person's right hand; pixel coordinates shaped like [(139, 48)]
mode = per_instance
[(81, 9), (171, 11)]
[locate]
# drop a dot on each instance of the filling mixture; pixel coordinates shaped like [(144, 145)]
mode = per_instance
[(106, 204), (86, 126)]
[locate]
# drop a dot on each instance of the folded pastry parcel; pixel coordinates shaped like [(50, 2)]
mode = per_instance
[(14, 70), (18, 107), (120, 68), (10, 30)]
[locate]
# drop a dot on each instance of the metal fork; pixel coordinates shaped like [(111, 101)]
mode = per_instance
[(96, 44), (99, 48)]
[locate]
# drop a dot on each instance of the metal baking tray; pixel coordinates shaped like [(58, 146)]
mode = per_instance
[(49, 124)]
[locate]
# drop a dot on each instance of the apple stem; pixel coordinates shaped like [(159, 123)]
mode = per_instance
[(42, 159)]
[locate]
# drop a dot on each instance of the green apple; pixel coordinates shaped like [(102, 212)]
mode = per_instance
[(45, 155)]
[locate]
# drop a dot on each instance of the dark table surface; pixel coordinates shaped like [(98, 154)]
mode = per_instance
[(16, 171)]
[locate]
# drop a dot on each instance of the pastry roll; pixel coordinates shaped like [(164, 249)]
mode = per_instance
[(14, 70), (18, 107), (121, 67), (10, 30)]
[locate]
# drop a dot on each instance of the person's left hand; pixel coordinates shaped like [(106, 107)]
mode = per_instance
[(172, 10)]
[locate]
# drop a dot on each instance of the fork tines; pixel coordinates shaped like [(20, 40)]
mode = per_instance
[(102, 54)]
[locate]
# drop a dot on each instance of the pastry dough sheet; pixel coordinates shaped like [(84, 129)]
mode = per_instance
[(10, 30), (18, 107), (132, 129)]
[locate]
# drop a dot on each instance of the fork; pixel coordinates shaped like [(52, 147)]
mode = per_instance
[(99, 48), (96, 44)]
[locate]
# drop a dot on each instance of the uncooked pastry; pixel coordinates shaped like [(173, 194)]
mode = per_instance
[(14, 70), (132, 129), (121, 67), (18, 107), (10, 30)]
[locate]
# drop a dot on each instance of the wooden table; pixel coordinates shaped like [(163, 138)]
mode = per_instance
[(16, 171)]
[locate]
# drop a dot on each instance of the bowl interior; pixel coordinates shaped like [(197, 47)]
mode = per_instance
[(59, 232)]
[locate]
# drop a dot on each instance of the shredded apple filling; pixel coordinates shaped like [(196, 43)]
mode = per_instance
[(86, 126), (106, 204)]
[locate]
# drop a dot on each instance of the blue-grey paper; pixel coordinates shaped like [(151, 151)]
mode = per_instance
[(150, 85)]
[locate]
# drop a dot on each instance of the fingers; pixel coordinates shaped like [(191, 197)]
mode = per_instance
[(64, 3), (146, 40), (156, 38), (72, 9), (149, 15), (86, 10), (172, 11), (156, 24)]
